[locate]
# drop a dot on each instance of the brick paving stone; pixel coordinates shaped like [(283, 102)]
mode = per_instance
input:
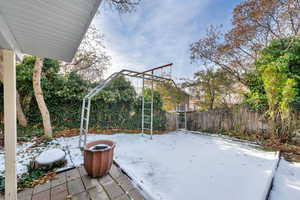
[(58, 189), (59, 179), (123, 197), (98, 193), (59, 196), (25, 194), (45, 195), (113, 190), (70, 184), (136, 195), (73, 174), (89, 182), (81, 196), (115, 171), (106, 180), (41, 187), (125, 183), (82, 170), (75, 186)]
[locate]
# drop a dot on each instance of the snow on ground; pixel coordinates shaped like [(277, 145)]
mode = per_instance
[(22, 157), (287, 182), (183, 165), (189, 166), (25, 153)]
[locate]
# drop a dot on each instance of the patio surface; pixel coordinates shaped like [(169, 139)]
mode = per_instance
[(75, 184)]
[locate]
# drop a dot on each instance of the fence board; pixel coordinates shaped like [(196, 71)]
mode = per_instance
[(238, 119)]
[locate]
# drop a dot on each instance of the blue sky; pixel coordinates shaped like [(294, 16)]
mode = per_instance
[(160, 32)]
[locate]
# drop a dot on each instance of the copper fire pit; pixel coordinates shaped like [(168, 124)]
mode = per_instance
[(98, 157)]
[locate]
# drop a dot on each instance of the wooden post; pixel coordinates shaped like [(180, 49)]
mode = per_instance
[(10, 123)]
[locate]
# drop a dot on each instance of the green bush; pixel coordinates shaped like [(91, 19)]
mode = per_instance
[(275, 85), (117, 106), (276, 79)]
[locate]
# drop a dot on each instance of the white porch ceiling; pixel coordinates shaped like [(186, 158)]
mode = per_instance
[(45, 28)]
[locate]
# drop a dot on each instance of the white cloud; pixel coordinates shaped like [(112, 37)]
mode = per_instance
[(159, 32)]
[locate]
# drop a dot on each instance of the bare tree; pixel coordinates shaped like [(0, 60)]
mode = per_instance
[(211, 51), (266, 18), (91, 59), (255, 23), (38, 93), (123, 6)]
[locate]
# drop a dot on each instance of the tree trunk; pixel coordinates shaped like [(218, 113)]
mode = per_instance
[(36, 80), (20, 114)]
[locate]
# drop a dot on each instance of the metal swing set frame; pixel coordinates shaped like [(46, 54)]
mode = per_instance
[(147, 112)]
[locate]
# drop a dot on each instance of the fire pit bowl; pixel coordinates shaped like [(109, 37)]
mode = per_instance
[(98, 157)]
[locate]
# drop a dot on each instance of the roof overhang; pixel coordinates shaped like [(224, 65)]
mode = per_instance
[(45, 28)]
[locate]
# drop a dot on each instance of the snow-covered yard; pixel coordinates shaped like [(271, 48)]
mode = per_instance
[(183, 165), (188, 166), (286, 182)]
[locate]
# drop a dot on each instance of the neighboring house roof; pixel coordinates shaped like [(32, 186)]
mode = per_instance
[(45, 28)]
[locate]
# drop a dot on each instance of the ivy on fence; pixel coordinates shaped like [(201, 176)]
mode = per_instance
[(116, 107)]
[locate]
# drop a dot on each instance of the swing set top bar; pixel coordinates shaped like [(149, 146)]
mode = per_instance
[(156, 68), (146, 76), (129, 73)]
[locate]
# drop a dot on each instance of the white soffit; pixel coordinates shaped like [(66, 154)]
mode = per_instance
[(45, 28)]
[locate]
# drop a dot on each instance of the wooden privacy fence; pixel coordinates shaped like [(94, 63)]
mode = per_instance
[(235, 119), (170, 121)]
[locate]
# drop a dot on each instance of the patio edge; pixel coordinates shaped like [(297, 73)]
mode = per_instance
[(271, 181), (138, 186)]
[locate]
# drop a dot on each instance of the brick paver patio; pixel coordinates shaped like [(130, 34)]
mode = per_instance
[(75, 184)]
